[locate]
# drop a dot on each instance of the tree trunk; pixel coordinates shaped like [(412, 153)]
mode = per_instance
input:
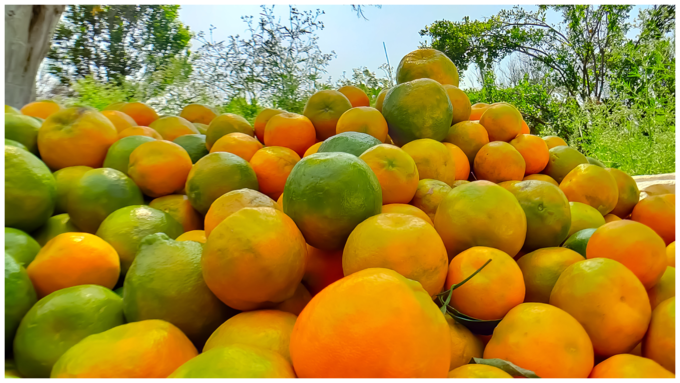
[(28, 35)]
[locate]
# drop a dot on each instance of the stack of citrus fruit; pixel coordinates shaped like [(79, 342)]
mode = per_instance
[(425, 237)]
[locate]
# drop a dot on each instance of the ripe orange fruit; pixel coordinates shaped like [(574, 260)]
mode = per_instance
[(179, 208), (324, 109), (464, 344), (657, 212), (540, 177), (663, 289), (525, 128), (427, 63), (592, 185), (611, 218), (75, 136), (119, 119), (198, 113), (584, 217), (380, 99), (73, 259), (402, 208), (670, 254), (322, 268), (296, 303), (262, 119), (554, 141), (460, 160), (563, 159), (543, 339), (469, 136), (502, 121), (140, 131), (429, 195), (659, 342), (159, 167), (312, 149), (478, 371), (172, 127), (629, 366), (363, 119), (433, 160), (396, 171), (399, 242), (335, 336), (140, 112), (477, 110), (233, 201), (272, 165), (633, 244), (499, 161), (591, 291), (240, 144), (542, 267), (494, 291), (534, 151), (194, 235), (460, 102), (290, 130), (255, 257), (225, 124), (629, 194), (356, 96), (41, 109)]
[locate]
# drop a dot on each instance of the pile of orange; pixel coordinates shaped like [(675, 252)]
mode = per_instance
[(415, 235)]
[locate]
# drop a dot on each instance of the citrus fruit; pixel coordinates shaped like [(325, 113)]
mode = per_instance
[(312, 149), (591, 185), (595, 162), (73, 259), (427, 63), (194, 144), (433, 160), (254, 257), (354, 143), (579, 241), (540, 177), (591, 291), (584, 217), (611, 218), (493, 291), (202, 128), (396, 171), (30, 190), (262, 119), (140, 131), (290, 130), (65, 178), (165, 282), (233, 201), (478, 371), (59, 321), (11, 110), (297, 302), (380, 99), (75, 136), (236, 361), (356, 96), (670, 254), (481, 213), (328, 194), (469, 136), (460, 161), (663, 289), (399, 242), (477, 110), (324, 109), (363, 119), (120, 120), (20, 296), (633, 244), (143, 114), (198, 113), (272, 166), (659, 342), (225, 124), (22, 129), (216, 174), (554, 141), (335, 335), (499, 161), (657, 212), (118, 156), (541, 268), (542, 339), (322, 268), (417, 109), (525, 128), (159, 167), (534, 151), (502, 121), (9, 142), (464, 345), (402, 208), (146, 349), (562, 160), (194, 235), (240, 144), (98, 193), (21, 246), (54, 226), (460, 102), (179, 208), (41, 109), (630, 366)]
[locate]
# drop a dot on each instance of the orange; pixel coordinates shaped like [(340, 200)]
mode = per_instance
[(427, 63), (402, 208), (335, 335), (543, 339), (233, 201), (657, 212), (481, 213), (554, 141), (41, 109), (146, 349), (296, 303), (194, 235), (525, 128), (477, 110), (143, 114), (179, 208), (478, 371), (534, 151), (629, 194), (363, 119), (592, 185), (396, 171), (659, 342), (563, 159), (399, 242), (198, 113), (324, 109), (460, 102), (356, 96), (663, 289), (159, 167), (225, 124), (584, 217), (262, 119), (322, 268), (633, 244), (75, 137), (502, 121), (499, 161), (380, 99), (540, 177), (312, 149), (240, 144), (591, 291), (66, 179), (119, 119), (464, 344), (272, 165), (433, 160), (290, 130), (72, 259), (611, 218), (172, 127), (469, 136), (115, 105), (140, 131), (670, 254), (256, 256), (542, 267), (630, 366), (429, 195), (493, 291), (279, 201), (460, 160)]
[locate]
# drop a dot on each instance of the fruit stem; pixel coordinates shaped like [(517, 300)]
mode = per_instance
[(457, 285)]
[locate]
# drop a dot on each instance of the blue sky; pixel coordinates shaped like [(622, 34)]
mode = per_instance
[(357, 42)]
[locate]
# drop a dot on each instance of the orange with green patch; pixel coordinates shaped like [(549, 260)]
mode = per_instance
[(592, 185), (241, 144), (562, 160), (427, 63), (179, 208), (172, 127), (324, 109), (233, 201), (429, 194), (159, 167), (629, 194), (542, 267), (469, 136), (199, 113), (433, 160), (225, 124)]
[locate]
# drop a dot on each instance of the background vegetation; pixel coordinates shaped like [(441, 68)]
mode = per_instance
[(611, 96)]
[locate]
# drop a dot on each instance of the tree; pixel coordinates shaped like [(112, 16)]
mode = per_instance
[(28, 32)]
